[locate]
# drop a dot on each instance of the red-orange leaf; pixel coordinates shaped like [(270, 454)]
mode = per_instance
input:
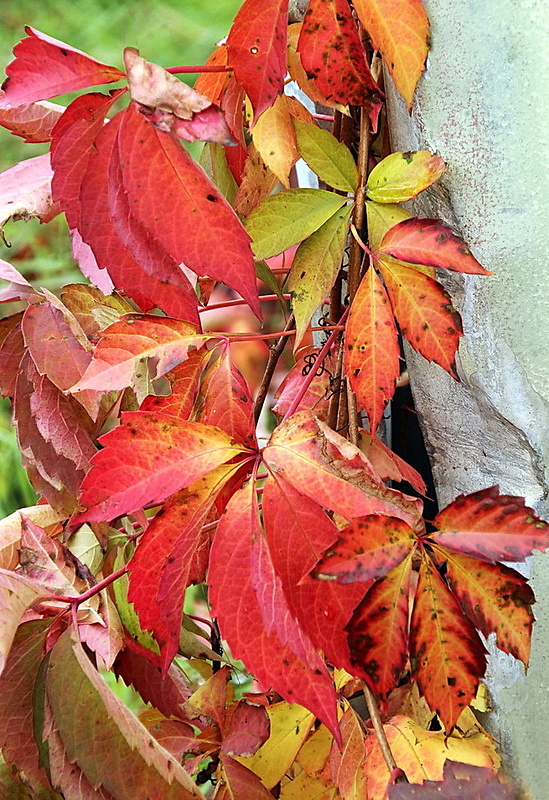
[(429, 242), (387, 464), (496, 599), (368, 548), (228, 400), (399, 29), (257, 50), (424, 312), (448, 658), (184, 383), (372, 353), (235, 604), (212, 84), (333, 55), (45, 67), (175, 202), (147, 458), (378, 630), (491, 527)]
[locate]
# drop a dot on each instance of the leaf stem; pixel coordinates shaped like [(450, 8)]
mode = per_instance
[(381, 736), (263, 298), (250, 337), (183, 70), (81, 598), (275, 352)]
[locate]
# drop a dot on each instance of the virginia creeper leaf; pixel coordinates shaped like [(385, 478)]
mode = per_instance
[(228, 400), (257, 50), (171, 105), (110, 745), (213, 161), (11, 527), (381, 217), (19, 289), (333, 55), (424, 312), (429, 242), (212, 84), (448, 658), (257, 183), (239, 781), (372, 353), (401, 176), (460, 780), (147, 458), (25, 191), (298, 74), (367, 548), (378, 630), (387, 464), (331, 160), (491, 527), (274, 138), (240, 617), (168, 694), (45, 67), (126, 346), (155, 167), (317, 396), (347, 765), (33, 122), (289, 217), (17, 593), (399, 29), (93, 310), (314, 268), (495, 598)]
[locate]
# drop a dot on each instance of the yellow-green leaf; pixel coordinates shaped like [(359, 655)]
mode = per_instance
[(401, 176), (330, 159), (381, 217), (288, 218), (315, 267)]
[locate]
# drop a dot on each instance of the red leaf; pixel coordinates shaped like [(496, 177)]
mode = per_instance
[(429, 242), (146, 459), (172, 554), (125, 345), (247, 729), (317, 396), (241, 620), (228, 401), (333, 55), (239, 781), (45, 67), (425, 313), (33, 122), (378, 631), (25, 191), (448, 658), (257, 50), (387, 464), (168, 693), (325, 467), (368, 548), (184, 382), (156, 167), (491, 527), (496, 599), (372, 353), (12, 350), (171, 105), (19, 288)]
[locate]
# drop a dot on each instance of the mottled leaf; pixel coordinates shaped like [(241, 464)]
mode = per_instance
[(401, 176)]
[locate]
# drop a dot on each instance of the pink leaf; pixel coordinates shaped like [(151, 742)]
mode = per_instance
[(25, 191)]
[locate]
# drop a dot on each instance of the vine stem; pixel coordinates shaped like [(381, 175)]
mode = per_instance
[(275, 352), (381, 736)]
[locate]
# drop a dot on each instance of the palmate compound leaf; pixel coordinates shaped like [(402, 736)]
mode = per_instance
[(372, 352), (448, 658), (154, 167), (431, 243), (286, 218), (257, 50), (424, 312), (128, 347), (109, 744), (45, 67), (172, 554), (399, 29), (314, 268), (146, 459), (491, 527), (333, 55), (253, 631), (401, 176)]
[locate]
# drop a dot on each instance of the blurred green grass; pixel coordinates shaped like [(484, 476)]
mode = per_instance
[(168, 32)]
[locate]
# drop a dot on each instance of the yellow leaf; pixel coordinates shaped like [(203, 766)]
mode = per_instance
[(274, 137), (306, 788)]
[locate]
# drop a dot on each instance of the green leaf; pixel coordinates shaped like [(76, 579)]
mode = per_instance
[(265, 274), (214, 163), (315, 268), (288, 218), (330, 159), (127, 612), (401, 176)]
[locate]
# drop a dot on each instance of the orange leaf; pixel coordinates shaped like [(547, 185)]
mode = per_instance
[(274, 137), (372, 354), (424, 312), (387, 464), (184, 383), (333, 55), (212, 84), (491, 527), (448, 658), (496, 599), (429, 242), (347, 764), (257, 50), (399, 29), (146, 459), (378, 630)]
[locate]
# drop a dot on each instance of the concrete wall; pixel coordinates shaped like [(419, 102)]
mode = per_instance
[(483, 105)]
